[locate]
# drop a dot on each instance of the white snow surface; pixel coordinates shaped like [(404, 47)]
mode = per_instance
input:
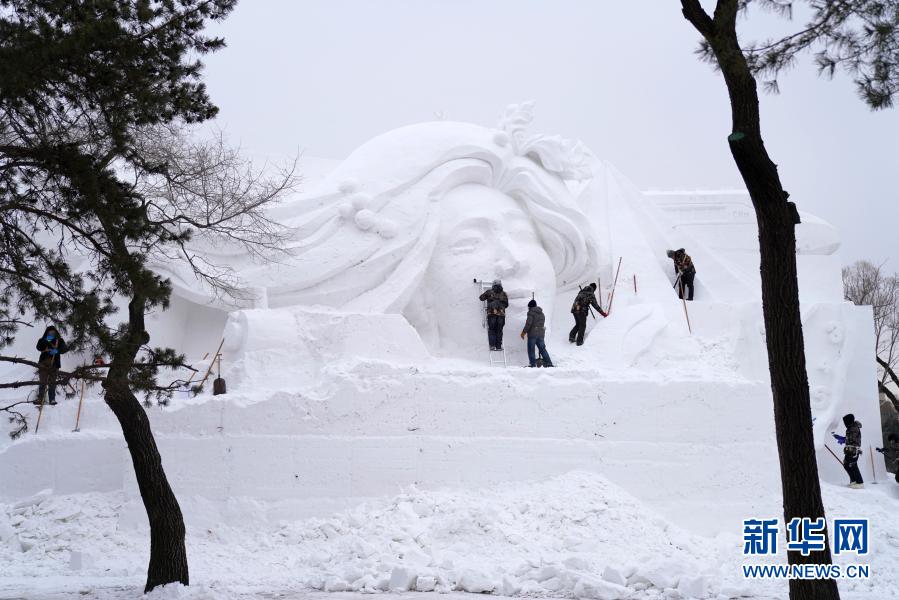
[(573, 536)]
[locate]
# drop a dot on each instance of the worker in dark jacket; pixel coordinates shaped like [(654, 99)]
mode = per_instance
[(535, 330), (684, 270), (852, 449), (51, 345), (891, 453), (580, 308), (496, 302)]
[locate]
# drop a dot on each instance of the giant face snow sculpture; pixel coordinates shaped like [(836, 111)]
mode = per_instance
[(487, 235), (409, 219)]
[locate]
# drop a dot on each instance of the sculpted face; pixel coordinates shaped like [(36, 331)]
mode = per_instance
[(487, 235)]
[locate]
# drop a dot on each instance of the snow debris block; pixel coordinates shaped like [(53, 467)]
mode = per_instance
[(335, 584), (597, 589), (692, 587), (35, 500), (80, 560), (576, 563), (8, 535), (547, 572), (509, 587), (661, 578), (475, 582), (614, 576), (426, 584), (402, 580)]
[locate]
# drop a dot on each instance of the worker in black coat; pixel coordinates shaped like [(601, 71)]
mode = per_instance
[(51, 346)]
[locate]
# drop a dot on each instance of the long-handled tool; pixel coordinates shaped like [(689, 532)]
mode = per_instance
[(211, 363), (218, 384), (614, 285), (836, 458), (873, 472), (40, 407), (684, 301), (194, 374), (78, 414)]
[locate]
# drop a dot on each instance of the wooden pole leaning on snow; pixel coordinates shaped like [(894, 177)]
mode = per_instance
[(686, 314), (614, 284), (194, 374), (679, 285), (873, 471), (40, 411), (211, 363), (78, 414), (40, 407)]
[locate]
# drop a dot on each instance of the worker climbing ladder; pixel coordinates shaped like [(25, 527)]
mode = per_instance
[(497, 357)]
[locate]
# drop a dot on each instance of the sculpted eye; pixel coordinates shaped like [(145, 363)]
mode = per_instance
[(466, 244)]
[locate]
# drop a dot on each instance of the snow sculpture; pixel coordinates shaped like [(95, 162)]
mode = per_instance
[(412, 217)]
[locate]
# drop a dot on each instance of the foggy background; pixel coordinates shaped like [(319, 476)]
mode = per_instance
[(320, 77)]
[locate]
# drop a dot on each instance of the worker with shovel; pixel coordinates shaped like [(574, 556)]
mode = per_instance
[(585, 299), (684, 270)]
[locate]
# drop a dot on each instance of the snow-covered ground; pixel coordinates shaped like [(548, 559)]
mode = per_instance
[(576, 535)]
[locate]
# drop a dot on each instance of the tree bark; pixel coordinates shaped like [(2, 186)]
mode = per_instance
[(888, 370), (889, 394), (168, 555), (777, 218)]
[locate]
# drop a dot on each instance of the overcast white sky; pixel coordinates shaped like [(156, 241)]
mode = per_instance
[(324, 76)]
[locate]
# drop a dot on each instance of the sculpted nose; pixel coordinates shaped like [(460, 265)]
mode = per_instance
[(507, 267)]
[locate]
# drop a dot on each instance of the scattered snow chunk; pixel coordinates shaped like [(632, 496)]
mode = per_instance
[(692, 587), (615, 576), (475, 582), (35, 500), (402, 580), (335, 584), (426, 584), (597, 589)]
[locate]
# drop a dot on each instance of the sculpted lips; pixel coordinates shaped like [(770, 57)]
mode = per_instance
[(519, 293)]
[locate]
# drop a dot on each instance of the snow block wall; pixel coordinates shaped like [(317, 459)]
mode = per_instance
[(359, 365)]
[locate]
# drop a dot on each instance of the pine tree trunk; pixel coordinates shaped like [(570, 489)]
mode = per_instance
[(777, 219), (168, 555), (786, 360)]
